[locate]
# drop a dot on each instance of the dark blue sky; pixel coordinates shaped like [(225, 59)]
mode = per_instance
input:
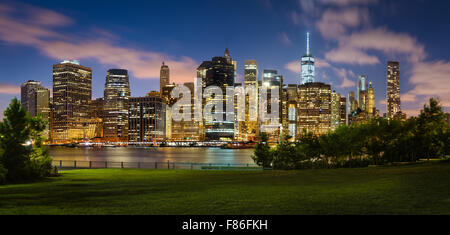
[(349, 37)]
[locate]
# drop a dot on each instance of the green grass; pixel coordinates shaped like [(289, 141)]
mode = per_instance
[(412, 189)]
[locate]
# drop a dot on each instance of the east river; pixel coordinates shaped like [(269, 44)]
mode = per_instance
[(149, 154)]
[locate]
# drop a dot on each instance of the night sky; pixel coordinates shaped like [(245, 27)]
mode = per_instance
[(349, 37)]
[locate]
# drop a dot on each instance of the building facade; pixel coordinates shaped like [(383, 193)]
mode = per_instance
[(271, 80), (72, 92), (116, 96), (26, 93), (147, 119), (96, 115), (314, 108), (250, 127), (393, 89), (370, 107), (36, 100), (164, 77), (289, 111), (186, 130), (218, 72)]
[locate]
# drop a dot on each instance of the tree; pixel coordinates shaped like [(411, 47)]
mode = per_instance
[(15, 134), (22, 159), (431, 128), (263, 155)]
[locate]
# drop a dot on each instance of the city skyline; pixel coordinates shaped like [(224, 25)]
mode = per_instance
[(50, 44)]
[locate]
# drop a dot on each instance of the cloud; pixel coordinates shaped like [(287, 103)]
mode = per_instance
[(354, 48), (411, 112), (46, 17), (307, 5), (285, 38), (430, 79), (143, 64), (293, 66), (349, 55), (9, 89), (321, 63), (345, 75), (347, 2), (335, 23), (37, 30)]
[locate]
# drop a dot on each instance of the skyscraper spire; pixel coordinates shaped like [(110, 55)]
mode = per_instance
[(307, 65), (227, 55), (307, 44)]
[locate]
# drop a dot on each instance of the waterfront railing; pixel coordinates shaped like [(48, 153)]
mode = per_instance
[(168, 165)]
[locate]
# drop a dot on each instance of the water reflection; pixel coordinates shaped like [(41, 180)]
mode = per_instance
[(136, 154)]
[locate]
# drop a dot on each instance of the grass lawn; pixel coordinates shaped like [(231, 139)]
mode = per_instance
[(411, 189)]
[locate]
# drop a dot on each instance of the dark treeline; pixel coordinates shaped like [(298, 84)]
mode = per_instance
[(22, 155), (377, 142)]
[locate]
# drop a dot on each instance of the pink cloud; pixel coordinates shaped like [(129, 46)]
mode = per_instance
[(46, 17), (335, 23), (411, 112), (430, 79), (36, 31), (345, 75), (354, 48), (389, 42), (285, 38), (9, 89), (321, 63), (293, 66), (347, 2), (351, 55)]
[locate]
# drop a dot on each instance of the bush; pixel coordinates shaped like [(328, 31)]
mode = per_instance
[(40, 164), (3, 172)]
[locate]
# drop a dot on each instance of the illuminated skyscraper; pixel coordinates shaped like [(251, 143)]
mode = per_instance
[(116, 96), (72, 93), (186, 130), (217, 72), (164, 77), (249, 127), (393, 89), (370, 101), (271, 80), (147, 119), (335, 110), (307, 65), (352, 102), (250, 72), (362, 92), (289, 111), (96, 115), (343, 111), (314, 104), (338, 110)]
